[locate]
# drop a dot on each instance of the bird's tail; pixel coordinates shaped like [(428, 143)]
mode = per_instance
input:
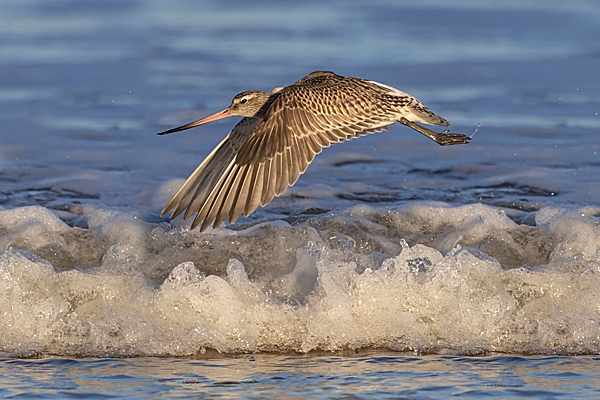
[(419, 113)]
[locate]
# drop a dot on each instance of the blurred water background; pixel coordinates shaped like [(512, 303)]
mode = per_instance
[(471, 270)]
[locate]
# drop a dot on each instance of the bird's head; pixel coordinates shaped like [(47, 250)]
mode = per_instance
[(248, 103), (251, 103)]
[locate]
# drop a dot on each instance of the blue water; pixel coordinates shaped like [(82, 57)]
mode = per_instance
[(94, 271), (371, 375)]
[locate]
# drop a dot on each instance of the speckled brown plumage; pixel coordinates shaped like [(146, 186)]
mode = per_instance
[(281, 133)]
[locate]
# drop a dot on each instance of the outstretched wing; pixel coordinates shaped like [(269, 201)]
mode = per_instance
[(193, 192), (313, 113)]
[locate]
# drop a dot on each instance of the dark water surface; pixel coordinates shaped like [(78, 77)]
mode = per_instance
[(85, 86)]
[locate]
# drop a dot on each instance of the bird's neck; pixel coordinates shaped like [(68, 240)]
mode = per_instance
[(268, 101)]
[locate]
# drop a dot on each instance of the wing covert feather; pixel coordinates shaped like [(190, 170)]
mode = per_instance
[(260, 158)]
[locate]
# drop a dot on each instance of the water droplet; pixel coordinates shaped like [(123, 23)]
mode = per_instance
[(404, 245)]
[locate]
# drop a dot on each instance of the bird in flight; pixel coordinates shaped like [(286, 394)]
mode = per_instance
[(281, 133)]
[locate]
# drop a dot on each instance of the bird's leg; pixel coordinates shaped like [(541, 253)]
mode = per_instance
[(443, 139)]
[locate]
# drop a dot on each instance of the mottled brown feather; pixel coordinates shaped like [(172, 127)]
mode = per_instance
[(268, 151)]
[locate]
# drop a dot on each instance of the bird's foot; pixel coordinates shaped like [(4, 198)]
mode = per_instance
[(443, 139), (449, 139)]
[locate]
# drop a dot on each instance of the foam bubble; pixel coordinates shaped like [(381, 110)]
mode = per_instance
[(425, 277)]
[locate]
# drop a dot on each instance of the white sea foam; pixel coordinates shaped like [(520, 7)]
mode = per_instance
[(425, 277)]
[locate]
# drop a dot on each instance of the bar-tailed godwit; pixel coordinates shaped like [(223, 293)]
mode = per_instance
[(281, 133)]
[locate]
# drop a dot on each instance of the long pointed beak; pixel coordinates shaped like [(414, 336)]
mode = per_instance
[(215, 117)]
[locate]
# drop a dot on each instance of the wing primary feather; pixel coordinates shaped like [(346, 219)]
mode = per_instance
[(220, 208), (202, 196), (253, 200), (297, 159), (240, 196), (196, 199), (251, 185), (216, 186), (188, 185), (203, 189), (302, 155), (314, 146), (282, 178), (306, 150), (270, 177)]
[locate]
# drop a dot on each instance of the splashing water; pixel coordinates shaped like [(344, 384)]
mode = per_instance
[(364, 278)]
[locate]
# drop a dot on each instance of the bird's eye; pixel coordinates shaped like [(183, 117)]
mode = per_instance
[(244, 101)]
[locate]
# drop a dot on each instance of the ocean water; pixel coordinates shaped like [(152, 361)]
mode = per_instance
[(394, 267), (364, 375)]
